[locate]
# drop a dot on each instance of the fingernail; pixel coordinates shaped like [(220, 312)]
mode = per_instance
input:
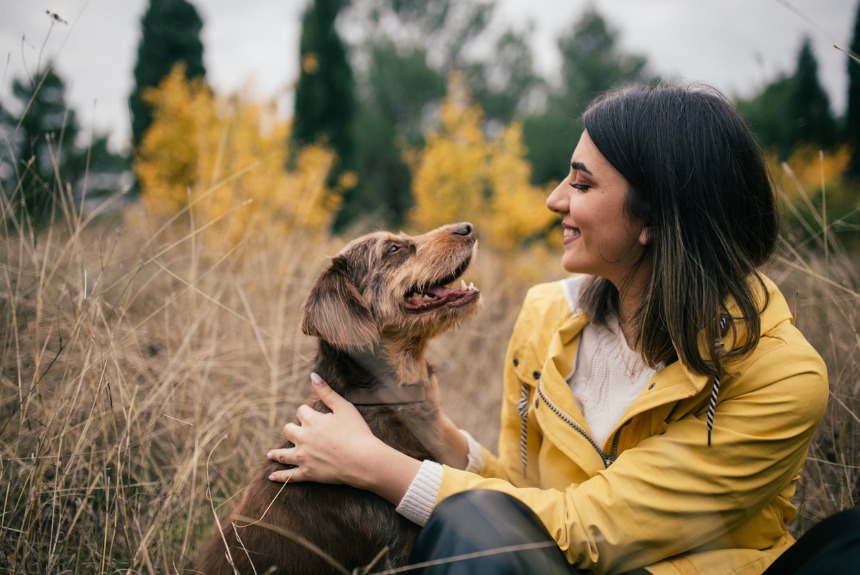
[(272, 477), (269, 455), (316, 380)]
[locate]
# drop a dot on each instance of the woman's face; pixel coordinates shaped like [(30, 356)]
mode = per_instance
[(600, 237)]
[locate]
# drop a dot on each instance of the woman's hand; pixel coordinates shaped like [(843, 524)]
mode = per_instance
[(338, 447)]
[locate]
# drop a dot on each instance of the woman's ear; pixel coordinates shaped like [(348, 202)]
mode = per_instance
[(646, 235)]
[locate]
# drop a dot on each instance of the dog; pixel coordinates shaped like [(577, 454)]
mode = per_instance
[(374, 310)]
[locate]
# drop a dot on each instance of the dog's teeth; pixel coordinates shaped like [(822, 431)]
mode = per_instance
[(463, 286), (425, 297), (472, 285)]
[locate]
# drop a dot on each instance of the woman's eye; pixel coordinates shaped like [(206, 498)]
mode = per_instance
[(580, 187)]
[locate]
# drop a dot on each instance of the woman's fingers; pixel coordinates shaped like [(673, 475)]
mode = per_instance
[(303, 414), (286, 456), (286, 475), (292, 431), (294, 457), (326, 394), (324, 444)]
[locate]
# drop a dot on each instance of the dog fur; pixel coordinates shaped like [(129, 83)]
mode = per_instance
[(374, 309)]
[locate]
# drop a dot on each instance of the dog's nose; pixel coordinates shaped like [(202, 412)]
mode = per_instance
[(464, 229)]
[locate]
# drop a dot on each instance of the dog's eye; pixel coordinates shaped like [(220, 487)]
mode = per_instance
[(393, 249)]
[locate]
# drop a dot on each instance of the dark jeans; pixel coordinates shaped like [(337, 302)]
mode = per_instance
[(489, 532), (831, 547)]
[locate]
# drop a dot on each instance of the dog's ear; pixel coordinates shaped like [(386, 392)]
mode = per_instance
[(335, 312)]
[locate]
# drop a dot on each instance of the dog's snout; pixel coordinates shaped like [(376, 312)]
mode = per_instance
[(464, 229)]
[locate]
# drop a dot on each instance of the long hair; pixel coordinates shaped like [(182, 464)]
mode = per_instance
[(697, 178)]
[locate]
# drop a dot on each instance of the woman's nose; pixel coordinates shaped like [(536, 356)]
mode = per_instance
[(558, 200)]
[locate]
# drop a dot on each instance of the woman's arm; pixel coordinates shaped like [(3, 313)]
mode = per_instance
[(338, 447)]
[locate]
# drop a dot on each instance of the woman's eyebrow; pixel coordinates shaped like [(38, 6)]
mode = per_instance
[(579, 166)]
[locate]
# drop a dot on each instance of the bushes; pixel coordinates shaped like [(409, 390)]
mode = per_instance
[(223, 162)]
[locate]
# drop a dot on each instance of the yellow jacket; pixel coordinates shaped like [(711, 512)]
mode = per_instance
[(656, 495)]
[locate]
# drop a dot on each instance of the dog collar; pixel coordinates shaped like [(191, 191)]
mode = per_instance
[(401, 395)]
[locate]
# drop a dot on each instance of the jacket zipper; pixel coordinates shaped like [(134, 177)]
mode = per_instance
[(607, 459)]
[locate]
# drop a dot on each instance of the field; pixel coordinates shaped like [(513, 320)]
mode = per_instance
[(145, 373)]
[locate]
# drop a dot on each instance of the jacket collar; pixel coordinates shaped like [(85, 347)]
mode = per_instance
[(776, 312), (539, 344)]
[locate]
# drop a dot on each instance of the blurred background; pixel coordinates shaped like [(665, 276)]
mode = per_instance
[(175, 173), (367, 77)]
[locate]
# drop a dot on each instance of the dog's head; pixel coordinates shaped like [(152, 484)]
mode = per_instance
[(393, 287)]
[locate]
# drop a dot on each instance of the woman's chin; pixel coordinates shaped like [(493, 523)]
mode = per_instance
[(570, 265)]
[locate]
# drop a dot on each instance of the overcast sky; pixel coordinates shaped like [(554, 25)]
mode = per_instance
[(735, 45)]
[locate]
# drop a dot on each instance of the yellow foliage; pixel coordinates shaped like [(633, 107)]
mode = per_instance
[(808, 169), (462, 175), (225, 162)]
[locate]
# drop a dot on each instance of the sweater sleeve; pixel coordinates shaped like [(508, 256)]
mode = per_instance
[(420, 497)]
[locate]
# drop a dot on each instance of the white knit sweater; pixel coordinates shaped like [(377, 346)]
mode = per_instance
[(607, 378)]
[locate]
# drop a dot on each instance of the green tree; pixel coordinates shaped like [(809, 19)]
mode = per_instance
[(592, 63), (793, 109), (505, 84), (852, 116), (809, 106), (325, 94), (402, 78), (396, 91), (766, 114), (170, 34), (41, 157)]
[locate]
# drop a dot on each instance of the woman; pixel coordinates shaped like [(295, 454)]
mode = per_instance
[(658, 406)]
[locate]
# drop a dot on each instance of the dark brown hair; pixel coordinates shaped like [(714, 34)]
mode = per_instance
[(697, 178)]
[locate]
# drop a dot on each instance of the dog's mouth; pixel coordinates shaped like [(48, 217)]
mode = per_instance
[(451, 292)]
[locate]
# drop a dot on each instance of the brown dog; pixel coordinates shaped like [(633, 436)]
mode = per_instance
[(374, 310)]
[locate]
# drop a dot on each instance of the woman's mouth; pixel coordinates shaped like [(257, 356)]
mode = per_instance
[(570, 233)]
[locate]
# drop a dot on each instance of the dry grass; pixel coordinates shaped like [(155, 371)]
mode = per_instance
[(140, 369)]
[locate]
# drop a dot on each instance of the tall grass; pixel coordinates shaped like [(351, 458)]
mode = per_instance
[(144, 374)]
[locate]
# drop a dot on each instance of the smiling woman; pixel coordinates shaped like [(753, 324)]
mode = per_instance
[(601, 235), (658, 405)]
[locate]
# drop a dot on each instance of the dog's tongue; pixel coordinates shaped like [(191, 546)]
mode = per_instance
[(441, 292), (437, 296)]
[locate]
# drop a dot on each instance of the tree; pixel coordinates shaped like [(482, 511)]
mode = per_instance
[(793, 110), (505, 84), (809, 106), (325, 94), (403, 52), (852, 116), (766, 114), (41, 159), (224, 162), (461, 174), (170, 33), (397, 89), (592, 63), (325, 106)]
